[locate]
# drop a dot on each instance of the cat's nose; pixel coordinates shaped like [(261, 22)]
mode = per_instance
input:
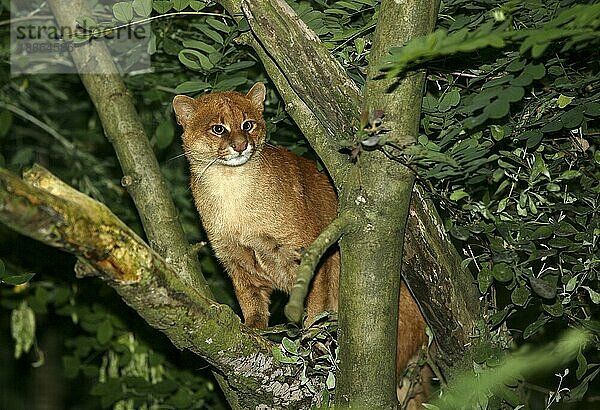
[(239, 146)]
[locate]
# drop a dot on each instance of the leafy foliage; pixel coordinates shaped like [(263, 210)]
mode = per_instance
[(509, 149), (315, 349)]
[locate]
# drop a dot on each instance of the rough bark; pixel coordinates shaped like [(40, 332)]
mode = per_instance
[(380, 195), (443, 290), (50, 211), (124, 129), (329, 92)]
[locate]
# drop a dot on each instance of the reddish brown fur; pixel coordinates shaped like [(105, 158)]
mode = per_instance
[(259, 215)]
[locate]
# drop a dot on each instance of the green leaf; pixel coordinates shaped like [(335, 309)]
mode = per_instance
[(192, 86), (520, 295), (515, 66), (218, 25), (560, 243), (582, 365), (240, 65), (538, 167), (123, 11), (497, 132), (499, 317), (552, 126), (162, 7), (534, 137), (497, 109), (199, 45), (197, 5), (22, 325), (512, 94), (143, 8), (330, 382), (502, 272), (213, 35), (592, 109), (569, 174), (565, 229), (572, 118), (556, 309), (535, 71), (457, 195), (542, 288), (534, 327), (180, 4), (182, 399), (460, 232), (17, 279), (194, 59), (290, 346), (165, 132), (6, 119), (484, 279), (502, 204), (562, 101), (449, 100), (105, 332), (230, 83), (594, 296), (87, 23), (571, 283), (281, 358)]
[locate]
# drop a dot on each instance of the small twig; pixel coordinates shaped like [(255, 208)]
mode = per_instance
[(28, 117), (197, 247), (435, 369), (311, 257)]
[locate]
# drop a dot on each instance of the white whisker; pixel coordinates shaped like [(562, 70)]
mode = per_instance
[(206, 167), (176, 156)]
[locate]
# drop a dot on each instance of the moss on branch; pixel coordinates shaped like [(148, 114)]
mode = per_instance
[(46, 209)]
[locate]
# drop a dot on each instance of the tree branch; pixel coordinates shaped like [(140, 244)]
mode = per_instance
[(443, 289), (124, 129), (310, 259), (48, 210), (314, 75), (431, 259)]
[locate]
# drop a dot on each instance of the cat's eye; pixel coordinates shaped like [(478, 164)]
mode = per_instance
[(218, 129), (248, 125)]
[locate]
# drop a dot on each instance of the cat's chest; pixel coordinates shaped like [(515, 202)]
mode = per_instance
[(225, 204)]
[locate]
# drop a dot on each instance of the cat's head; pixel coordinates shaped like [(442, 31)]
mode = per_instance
[(223, 128)]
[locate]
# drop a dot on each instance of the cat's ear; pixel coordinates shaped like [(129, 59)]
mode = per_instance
[(184, 107), (257, 94)]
